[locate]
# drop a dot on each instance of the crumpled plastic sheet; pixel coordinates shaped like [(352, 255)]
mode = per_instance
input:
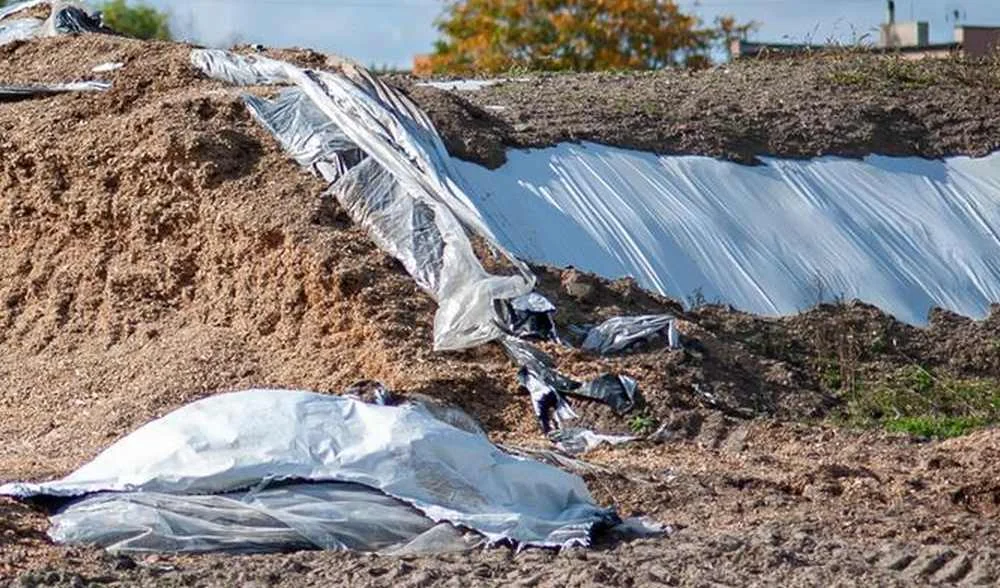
[(235, 441), (322, 515), (64, 18), (547, 387), (68, 19), (404, 191), (576, 440), (529, 317), (619, 392), (309, 136), (620, 333), (546, 401), (11, 93)]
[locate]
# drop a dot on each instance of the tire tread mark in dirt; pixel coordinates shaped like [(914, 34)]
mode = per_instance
[(941, 565)]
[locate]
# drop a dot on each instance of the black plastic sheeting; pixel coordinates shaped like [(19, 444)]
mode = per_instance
[(547, 387), (71, 20), (15, 93), (529, 317)]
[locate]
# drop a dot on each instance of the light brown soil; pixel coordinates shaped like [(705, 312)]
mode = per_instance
[(156, 247)]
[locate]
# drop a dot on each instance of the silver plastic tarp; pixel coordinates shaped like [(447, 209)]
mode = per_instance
[(318, 515), (172, 467), (64, 17), (390, 170), (619, 333)]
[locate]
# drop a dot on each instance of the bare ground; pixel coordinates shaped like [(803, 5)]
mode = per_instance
[(848, 104), (157, 247)]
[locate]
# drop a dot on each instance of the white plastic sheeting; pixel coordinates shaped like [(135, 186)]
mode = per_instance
[(904, 234), (405, 192), (236, 441), (469, 85)]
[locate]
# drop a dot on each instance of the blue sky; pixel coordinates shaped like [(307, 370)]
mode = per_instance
[(392, 31)]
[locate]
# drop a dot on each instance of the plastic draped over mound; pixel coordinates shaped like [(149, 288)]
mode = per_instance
[(64, 18), (904, 234), (390, 171), (177, 476)]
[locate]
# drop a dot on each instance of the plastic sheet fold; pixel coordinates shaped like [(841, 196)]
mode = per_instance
[(238, 441), (64, 18), (621, 333), (390, 170), (324, 515)]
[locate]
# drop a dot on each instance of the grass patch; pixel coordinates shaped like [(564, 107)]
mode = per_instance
[(935, 427), (861, 69), (914, 400), (850, 77)]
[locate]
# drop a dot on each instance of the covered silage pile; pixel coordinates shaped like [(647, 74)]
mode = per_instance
[(159, 248), (237, 478)]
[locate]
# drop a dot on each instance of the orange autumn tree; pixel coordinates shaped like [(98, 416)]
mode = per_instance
[(490, 36)]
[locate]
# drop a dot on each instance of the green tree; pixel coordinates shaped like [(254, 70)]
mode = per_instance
[(582, 35), (138, 20)]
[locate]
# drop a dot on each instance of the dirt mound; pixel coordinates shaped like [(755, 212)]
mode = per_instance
[(158, 247), (847, 104)]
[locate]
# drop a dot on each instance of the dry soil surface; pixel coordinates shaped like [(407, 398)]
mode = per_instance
[(847, 103)]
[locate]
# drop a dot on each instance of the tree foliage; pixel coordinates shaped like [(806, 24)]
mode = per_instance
[(135, 20), (582, 35)]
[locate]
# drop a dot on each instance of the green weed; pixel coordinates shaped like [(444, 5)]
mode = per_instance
[(935, 427), (916, 401), (642, 424)]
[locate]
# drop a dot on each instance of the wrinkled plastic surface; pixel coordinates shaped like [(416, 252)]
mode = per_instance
[(546, 401), (529, 317), (575, 440), (620, 333), (234, 441), (311, 138), (619, 392), (405, 191), (904, 234), (69, 19), (331, 515), (64, 18), (547, 387)]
